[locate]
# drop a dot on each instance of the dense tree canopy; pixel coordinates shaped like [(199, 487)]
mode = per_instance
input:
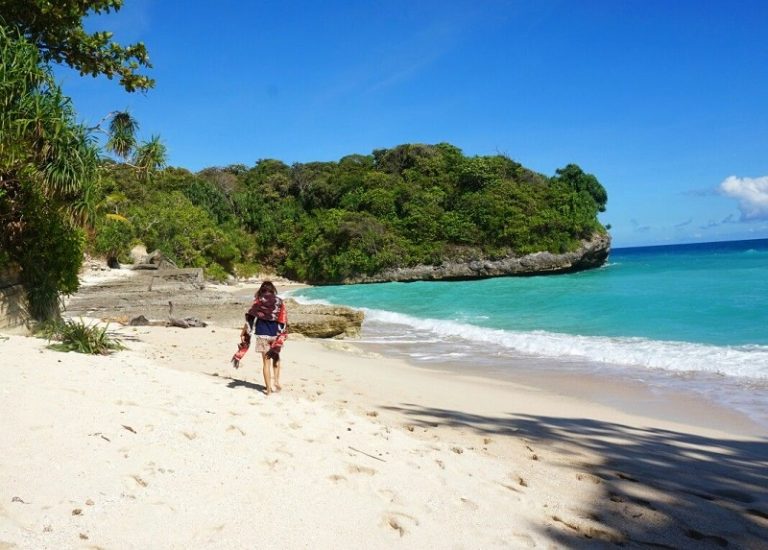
[(55, 28), (327, 221)]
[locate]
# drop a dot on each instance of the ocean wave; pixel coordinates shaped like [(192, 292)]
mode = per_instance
[(735, 361), (309, 301)]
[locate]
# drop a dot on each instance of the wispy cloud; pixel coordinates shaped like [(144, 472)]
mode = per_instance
[(683, 224), (399, 60), (752, 194), (637, 228)]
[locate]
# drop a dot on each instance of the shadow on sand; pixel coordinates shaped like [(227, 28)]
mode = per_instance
[(238, 383), (657, 488)]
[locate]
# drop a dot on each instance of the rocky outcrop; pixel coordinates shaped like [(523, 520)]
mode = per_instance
[(590, 254), (321, 321), (143, 260), (147, 294)]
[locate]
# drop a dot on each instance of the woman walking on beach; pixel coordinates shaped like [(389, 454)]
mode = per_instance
[(266, 322)]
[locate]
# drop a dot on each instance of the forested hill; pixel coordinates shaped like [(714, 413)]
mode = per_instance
[(332, 221)]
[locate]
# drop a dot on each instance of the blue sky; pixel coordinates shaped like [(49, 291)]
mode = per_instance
[(666, 102)]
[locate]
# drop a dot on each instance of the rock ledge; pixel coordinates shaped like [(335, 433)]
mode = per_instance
[(592, 253)]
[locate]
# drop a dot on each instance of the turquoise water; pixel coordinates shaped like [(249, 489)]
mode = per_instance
[(681, 308), (694, 293)]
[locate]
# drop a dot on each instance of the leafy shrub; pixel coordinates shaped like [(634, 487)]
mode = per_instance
[(113, 238), (71, 335), (246, 270), (215, 272)]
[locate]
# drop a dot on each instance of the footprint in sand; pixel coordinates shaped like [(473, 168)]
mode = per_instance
[(469, 504), (519, 479), (272, 463), (336, 478), (138, 480), (589, 477), (398, 521), (282, 450), (626, 477), (355, 469), (233, 428), (190, 435)]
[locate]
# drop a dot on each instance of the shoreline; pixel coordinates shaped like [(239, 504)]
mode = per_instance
[(658, 395), (705, 398), (165, 443)]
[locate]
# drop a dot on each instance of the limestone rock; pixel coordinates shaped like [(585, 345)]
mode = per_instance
[(592, 253), (140, 321), (139, 254), (155, 260), (321, 321)]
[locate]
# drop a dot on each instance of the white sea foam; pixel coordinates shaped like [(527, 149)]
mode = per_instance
[(310, 301), (733, 361)]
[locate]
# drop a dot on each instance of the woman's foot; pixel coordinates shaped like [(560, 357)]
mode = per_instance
[(278, 387)]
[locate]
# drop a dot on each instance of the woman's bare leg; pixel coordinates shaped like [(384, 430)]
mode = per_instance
[(276, 364), (267, 373)]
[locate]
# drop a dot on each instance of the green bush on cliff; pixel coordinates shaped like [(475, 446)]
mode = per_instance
[(327, 221)]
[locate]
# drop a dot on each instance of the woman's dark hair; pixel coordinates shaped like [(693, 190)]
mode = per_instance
[(266, 288)]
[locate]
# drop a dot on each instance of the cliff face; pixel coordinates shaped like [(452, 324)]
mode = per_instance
[(592, 253)]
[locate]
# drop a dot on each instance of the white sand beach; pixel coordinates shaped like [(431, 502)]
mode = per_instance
[(165, 445)]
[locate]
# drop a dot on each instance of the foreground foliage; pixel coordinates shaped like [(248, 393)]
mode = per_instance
[(48, 165), (55, 28), (50, 175), (327, 221), (71, 335)]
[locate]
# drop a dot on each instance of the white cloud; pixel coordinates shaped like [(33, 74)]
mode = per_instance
[(752, 194)]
